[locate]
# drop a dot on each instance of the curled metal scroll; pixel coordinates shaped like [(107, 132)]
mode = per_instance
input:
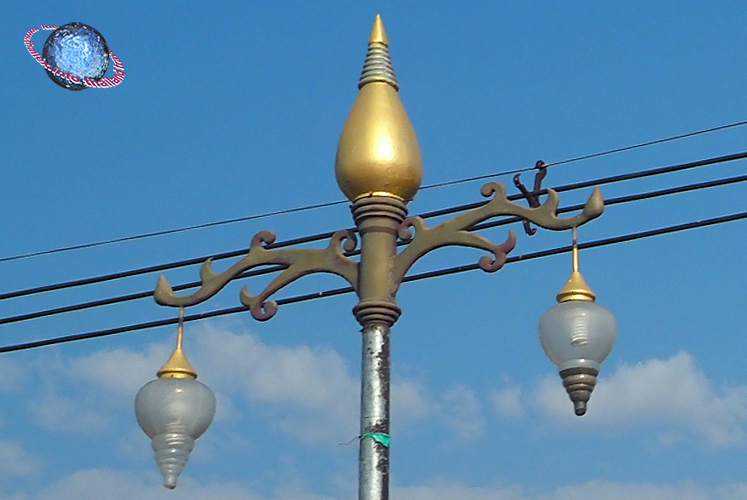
[(455, 231), (531, 197), (448, 234), (298, 262)]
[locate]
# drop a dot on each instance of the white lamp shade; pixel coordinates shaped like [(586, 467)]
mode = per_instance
[(174, 412), (577, 333)]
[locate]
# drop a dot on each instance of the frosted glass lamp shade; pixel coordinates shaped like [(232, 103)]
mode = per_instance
[(174, 412), (577, 335)]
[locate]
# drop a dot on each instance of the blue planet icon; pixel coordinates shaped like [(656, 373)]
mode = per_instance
[(76, 49)]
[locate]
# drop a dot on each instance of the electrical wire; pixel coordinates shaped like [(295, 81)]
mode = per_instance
[(340, 291), (602, 181), (171, 231), (327, 235), (592, 155), (275, 268), (340, 202)]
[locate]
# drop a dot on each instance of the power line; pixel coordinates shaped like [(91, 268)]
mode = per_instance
[(604, 180), (327, 235), (340, 202), (171, 231), (275, 268), (156, 268), (592, 155), (650, 143), (345, 290)]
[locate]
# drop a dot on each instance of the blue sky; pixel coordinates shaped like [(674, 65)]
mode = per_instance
[(232, 109)]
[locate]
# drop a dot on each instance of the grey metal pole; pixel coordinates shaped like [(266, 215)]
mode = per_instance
[(377, 218), (374, 446)]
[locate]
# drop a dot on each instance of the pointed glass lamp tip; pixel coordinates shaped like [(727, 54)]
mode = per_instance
[(579, 407), (169, 481), (378, 34)]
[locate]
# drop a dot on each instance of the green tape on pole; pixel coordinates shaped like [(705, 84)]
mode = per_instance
[(379, 437)]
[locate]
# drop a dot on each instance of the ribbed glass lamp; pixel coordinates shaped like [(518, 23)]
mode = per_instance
[(174, 410), (577, 334)]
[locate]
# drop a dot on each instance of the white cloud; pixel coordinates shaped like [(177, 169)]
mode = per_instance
[(507, 402), (639, 491), (737, 491), (672, 392), (12, 375), (95, 484), (317, 397), (607, 490), (15, 461), (312, 389), (56, 412), (309, 392), (309, 377), (120, 372), (449, 491), (136, 445), (225, 408), (88, 394), (409, 402), (462, 412)]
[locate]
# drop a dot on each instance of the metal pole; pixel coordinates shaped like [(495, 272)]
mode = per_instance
[(374, 446), (377, 218)]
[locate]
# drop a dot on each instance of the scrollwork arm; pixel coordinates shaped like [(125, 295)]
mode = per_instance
[(303, 261), (298, 262), (455, 231)]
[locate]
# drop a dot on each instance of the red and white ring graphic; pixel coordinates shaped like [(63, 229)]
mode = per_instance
[(103, 83)]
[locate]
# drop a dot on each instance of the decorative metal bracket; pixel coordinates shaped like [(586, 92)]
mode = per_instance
[(531, 197), (455, 231), (299, 262)]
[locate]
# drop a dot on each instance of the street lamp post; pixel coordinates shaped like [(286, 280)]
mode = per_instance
[(378, 167)]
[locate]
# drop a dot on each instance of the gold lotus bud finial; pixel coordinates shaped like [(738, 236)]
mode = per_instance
[(178, 366), (378, 153), (575, 288)]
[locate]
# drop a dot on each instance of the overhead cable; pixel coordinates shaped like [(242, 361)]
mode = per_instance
[(327, 235), (591, 155), (275, 268), (344, 290), (316, 206)]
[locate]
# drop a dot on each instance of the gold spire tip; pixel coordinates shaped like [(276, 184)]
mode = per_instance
[(178, 365), (575, 289), (378, 34)]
